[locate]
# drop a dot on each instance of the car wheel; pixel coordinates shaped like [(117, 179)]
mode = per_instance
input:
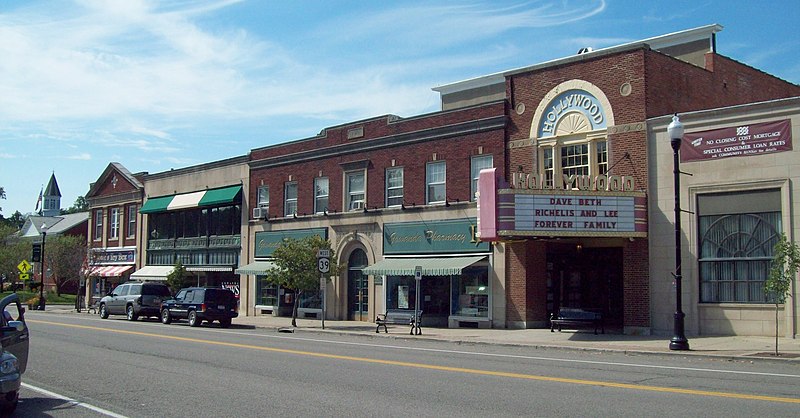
[(131, 314), (225, 323), (8, 407), (166, 318), (194, 321), (103, 311)]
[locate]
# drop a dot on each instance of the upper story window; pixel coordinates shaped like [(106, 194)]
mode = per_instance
[(435, 177), (355, 192), (320, 194), (131, 227), (98, 225), (290, 199), (584, 157), (478, 163), (113, 227), (262, 196), (394, 186)]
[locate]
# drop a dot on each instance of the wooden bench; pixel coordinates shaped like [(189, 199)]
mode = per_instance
[(577, 318), (399, 317)]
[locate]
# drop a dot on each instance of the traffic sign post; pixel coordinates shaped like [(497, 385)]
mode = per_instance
[(418, 279), (324, 266)]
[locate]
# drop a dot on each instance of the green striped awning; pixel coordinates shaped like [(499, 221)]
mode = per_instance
[(156, 204), (256, 268), (220, 196), (430, 266)]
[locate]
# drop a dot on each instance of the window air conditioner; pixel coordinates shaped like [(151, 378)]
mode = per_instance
[(259, 213), (357, 205)]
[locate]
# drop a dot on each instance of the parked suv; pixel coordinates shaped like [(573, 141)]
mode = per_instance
[(198, 304), (14, 346), (134, 299)]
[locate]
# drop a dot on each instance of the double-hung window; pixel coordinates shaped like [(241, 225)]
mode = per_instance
[(355, 193), (98, 225), (131, 227), (262, 196), (478, 163), (290, 199), (563, 158), (435, 177), (394, 186), (320, 194), (113, 232)]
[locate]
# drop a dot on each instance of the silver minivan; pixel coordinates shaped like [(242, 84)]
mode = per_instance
[(135, 299)]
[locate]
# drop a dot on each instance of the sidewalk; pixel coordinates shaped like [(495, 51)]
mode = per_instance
[(735, 347)]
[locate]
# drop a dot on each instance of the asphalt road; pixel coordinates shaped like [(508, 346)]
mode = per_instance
[(141, 369)]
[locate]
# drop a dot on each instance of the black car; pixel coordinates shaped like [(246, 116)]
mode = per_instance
[(198, 304), (135, 299)]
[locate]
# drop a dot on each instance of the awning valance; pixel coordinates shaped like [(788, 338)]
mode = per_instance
[(209, 268), (158, 273), (213, 197), (108, 271), (256, 267), (430, 266), (156, 204)]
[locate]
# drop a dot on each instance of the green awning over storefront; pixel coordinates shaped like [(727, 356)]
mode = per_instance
[(221, 196), (256, 268), (430, 266), (156, 204), (214, 197)]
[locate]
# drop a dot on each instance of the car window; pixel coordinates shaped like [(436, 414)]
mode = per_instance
[(181, 295), (220, 296), (189, 296), (135, 289), (123, 290), (118, 290), (198, 296), (155, 289)]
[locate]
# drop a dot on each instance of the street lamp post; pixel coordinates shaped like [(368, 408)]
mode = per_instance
[(41, 287), (678, 341)]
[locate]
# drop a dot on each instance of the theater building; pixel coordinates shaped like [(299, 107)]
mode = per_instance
[(390, 194), (572, 207), (745, 178), (114, 229)]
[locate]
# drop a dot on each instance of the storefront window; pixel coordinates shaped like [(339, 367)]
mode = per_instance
[(266, 293), (738, 232), (401, 292), (310, 299), (470, 292)]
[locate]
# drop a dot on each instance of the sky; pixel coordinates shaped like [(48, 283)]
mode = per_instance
[(156, 85)]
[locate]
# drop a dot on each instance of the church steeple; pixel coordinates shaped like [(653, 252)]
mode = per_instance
[(52, 198)]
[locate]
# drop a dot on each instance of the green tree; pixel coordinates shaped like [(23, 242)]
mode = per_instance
[(176, 279), (80, 205), (2, 195), (785, 263), (297, 270), (65, 257), (13, 249)]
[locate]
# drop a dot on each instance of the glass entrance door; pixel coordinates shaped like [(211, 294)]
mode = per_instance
[(357, 287)]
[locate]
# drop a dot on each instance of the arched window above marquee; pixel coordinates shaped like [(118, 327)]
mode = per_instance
[(569, 130)]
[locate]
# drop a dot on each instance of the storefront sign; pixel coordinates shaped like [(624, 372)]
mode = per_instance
[(434, 237), (113, 256), (574, 182), (591, 214), (739, 141), (267, 242), (568, 102), (233, 286)]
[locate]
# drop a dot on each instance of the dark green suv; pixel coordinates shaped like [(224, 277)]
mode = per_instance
[(198, 304)]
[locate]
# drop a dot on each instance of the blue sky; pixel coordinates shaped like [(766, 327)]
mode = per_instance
[(160, 85)]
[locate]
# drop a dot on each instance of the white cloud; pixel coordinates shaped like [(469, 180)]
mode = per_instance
[(81, 156)]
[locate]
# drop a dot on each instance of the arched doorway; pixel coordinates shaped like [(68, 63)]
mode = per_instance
[(357, 287)]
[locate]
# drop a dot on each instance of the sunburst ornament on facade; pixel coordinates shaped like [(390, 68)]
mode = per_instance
[(573, 122)]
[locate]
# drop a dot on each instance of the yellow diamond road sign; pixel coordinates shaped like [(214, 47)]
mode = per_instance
[(24, 266)]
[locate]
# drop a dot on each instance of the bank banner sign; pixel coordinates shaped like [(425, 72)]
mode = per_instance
[(433, 237), (562, 213), (737, 141), (267, 242)]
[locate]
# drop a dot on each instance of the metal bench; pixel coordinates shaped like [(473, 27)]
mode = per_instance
[(399, 317), (577, 318)]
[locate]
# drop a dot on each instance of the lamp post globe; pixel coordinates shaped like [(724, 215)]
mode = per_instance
[(678, 341), (41, 285)]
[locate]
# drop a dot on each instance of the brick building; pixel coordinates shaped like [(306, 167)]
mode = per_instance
[(572, 209)]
